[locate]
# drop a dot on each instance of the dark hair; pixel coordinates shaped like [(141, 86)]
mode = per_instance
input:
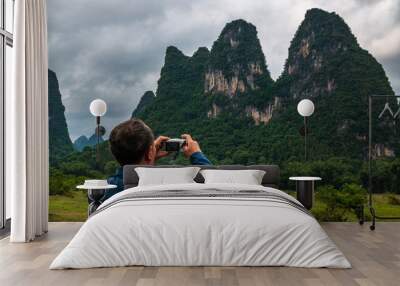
[(130, 140)]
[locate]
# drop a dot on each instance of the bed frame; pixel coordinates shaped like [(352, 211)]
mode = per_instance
[(270, 179)]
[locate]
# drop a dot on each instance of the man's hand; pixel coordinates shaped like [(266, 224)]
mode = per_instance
[(158, 144), (191, 146)]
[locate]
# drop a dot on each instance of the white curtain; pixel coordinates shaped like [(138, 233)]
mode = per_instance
[(27, 124)]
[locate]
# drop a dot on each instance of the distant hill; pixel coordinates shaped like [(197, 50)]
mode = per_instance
[(226, 98), (59, 141), (81, 142)]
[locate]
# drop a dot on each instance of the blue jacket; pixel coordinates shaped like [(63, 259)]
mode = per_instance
[(197, 158)]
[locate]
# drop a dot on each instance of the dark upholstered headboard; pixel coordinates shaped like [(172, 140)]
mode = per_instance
[(270, 179)]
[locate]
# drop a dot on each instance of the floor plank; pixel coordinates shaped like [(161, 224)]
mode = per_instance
[(375, 257)]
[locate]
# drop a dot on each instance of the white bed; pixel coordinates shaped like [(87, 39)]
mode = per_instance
[(207, 230)]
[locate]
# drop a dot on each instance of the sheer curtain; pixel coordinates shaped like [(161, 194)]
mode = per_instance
[(27, 124)]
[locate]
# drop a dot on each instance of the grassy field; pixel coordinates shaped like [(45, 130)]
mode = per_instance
[(68, 208), (74, 207)]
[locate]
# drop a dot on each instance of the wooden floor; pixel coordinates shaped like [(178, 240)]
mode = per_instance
[(375, 257)]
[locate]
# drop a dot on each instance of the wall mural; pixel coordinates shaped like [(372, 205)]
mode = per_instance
[(225, 96)]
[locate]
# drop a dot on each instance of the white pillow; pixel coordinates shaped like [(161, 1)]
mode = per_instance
[(166, 176), (248, 177)]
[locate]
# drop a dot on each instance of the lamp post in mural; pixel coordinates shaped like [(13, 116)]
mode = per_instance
[(305, 108), (98, 108), (96, 189)]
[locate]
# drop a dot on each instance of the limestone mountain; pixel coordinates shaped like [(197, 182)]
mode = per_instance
[(146, 99), (236, 63), (59, 141), (226, 98), (237, 69), (82, 141), (233, 73), (180, 91), (327, 65)]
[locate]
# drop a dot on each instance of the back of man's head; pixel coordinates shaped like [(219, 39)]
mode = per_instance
[(130, 141)]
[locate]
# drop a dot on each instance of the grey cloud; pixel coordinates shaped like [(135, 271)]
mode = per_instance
[(115, 49), (392, 68)]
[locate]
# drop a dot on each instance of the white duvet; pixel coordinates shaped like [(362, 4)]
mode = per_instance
[(200, 231)]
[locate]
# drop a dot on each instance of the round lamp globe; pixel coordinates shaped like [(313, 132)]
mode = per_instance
[(98, 107), (305, 107)]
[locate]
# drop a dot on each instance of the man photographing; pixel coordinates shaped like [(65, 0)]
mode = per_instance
[(132, 143)]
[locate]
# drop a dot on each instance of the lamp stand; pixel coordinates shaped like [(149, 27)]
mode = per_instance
[(98, 141), (305, 138)]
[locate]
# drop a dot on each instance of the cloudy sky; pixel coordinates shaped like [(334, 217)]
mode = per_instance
[(114, 50)]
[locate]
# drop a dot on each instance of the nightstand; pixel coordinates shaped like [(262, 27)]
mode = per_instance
[(305, 190), (96, 190)]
